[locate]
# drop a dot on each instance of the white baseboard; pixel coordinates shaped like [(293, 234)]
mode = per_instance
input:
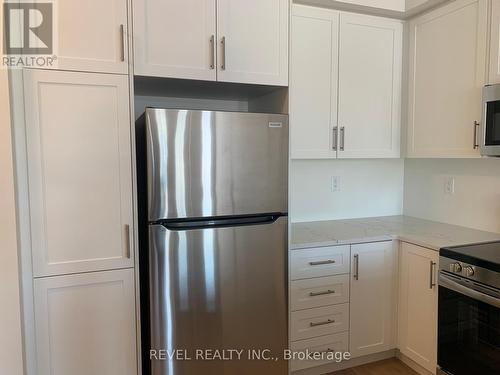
[(412, 364)]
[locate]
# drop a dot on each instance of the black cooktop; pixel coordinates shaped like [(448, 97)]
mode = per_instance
[(486, 255)]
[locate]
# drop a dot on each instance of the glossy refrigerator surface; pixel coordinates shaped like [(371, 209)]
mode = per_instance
[(203, 163), (219, 288)]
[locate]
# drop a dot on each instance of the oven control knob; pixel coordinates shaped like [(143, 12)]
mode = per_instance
[(456, 267), (469, 271)]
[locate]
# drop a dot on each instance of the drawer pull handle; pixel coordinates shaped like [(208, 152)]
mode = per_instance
[(329, 321), (327, 350), (314, 294), (321, 262)]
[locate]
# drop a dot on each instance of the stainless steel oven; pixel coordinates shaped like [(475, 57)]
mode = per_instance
[(490, 129), (469, 312)]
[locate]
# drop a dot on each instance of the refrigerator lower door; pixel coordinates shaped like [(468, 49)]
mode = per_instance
[(217, 292)]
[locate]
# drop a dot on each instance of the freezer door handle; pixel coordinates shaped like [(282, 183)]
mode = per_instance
[(207, 223)]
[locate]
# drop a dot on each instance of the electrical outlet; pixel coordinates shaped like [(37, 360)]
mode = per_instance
[(335, 183), (449, 185)]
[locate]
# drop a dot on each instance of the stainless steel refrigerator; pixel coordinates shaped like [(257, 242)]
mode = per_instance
[(217, 212)]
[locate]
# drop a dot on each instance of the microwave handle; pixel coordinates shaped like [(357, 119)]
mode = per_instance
[(476, 128), (447, 282)]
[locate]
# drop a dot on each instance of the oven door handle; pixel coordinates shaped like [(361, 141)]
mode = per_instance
[(448, 283)]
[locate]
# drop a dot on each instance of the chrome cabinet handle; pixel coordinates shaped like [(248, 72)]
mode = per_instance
[(356, 266), (223, 53), (321, 262), (122, 42), (127, 241), (342, 138), (334, 136), (432, 284), (212, 52), (314, 294), (476, 127), (329, 321)]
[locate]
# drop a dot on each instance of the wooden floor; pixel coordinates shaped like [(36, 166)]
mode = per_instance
[(391, 366)]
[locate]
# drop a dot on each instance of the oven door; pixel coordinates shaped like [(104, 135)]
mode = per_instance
[(490, 134), (468, 327)]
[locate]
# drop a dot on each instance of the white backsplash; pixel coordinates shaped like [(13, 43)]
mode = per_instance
[(367, 188), (475, 202)]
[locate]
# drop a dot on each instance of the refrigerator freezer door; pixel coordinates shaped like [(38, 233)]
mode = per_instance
[(203, 163), (219, 289)]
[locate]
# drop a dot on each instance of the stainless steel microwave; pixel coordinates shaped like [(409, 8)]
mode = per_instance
[(490, 127)]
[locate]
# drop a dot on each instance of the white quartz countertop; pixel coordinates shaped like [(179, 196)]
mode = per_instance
[(430, 234)]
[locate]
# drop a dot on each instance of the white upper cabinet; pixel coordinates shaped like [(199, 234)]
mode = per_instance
[(92, 35), (370, 69), (373, 298), (313, 82), (446, 74), (80, 173), (418, 301), (175, 39), (85, 324), (345, 85), (494, 73), (253, 41), (226, 40)]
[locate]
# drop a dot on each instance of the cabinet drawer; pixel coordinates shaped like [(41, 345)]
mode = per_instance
[(320, 291), (338, 342), (320, 261), (319, 321)]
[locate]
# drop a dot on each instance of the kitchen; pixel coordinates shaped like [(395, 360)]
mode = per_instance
[(266, 179)]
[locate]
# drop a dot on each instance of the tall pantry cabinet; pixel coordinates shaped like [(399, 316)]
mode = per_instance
[(80, 175)]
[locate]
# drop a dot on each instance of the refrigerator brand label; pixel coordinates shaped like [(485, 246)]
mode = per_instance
[(275, 125)]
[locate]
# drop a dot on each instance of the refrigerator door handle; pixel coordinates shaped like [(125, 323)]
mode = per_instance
[(208, 223)]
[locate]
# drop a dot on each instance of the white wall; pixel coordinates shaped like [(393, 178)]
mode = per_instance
[(367, 188), (414, 3), (476, 202), (10, 312), (397, 5)]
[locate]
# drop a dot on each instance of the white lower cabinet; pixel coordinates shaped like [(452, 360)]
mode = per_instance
[(418, 299), (373, 298), (366, 315), (85, 324)]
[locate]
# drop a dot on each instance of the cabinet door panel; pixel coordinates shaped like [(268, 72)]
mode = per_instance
[(370, 86), (494, 74), (446, 74), (85, 324), (418, 305), (256, 41), (172, 38), (80, 173), (89, 35), (313, 82), (373, 298)]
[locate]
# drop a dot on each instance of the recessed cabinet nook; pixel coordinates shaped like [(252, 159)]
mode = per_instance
[(355, 86)]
